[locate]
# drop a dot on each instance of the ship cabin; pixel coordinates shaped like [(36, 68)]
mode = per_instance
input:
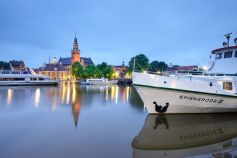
[(225, 59)]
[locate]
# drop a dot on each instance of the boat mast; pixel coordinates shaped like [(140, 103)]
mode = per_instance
[(134, 64), (228, 38)]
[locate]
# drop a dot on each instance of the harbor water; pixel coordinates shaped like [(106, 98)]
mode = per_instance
[(101, 122)]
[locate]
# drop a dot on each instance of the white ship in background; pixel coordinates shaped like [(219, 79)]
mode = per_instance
[(212, 92), (24, 78), (187, 136)]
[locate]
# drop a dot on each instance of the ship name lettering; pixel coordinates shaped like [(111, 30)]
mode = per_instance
[(201, 99)]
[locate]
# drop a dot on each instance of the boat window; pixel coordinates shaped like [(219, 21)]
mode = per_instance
[(12, 79), (218, 55), (33, 79), (228, 54), (15, 72), (5, 72), (19, 79), (227, 86), (236, 54), (41, 79)]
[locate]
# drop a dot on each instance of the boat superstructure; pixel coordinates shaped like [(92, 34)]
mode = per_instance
[(193, 93), (24, 78)]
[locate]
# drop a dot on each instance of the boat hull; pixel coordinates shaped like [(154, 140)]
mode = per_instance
[(160, 100), (203, 135), (25, 83)]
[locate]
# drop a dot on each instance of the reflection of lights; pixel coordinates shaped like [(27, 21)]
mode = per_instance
[(173, 84), (9, 96), (68, 94), (127, 93), (107, 93), (112, 92), (73, 93), (37, 97), (116, 94), (63, 93)]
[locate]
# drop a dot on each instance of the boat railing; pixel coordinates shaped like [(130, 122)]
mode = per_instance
[(151, 72)]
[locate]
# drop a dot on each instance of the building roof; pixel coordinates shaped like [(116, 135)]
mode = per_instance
[(52, 67), (87, 61), (65, 61)]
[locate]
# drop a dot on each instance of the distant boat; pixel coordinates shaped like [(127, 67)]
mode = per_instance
[(98, 81), (190, 136), (214, 91), (24, 78)]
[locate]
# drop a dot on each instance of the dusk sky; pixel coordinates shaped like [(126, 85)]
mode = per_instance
[(181, 32)]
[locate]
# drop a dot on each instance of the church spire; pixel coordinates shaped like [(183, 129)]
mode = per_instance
[(75, 44), (75, 39)]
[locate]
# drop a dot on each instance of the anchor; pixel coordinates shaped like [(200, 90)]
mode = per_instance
[(161, 109)]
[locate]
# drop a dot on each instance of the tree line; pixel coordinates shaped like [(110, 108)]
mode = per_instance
[(142, 64), (104, 70), (91, 71)]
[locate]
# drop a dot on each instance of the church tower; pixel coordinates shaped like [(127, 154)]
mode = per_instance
[(75, 52)]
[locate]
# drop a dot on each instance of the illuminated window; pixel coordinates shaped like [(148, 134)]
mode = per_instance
[(228, 54), (227, 86)]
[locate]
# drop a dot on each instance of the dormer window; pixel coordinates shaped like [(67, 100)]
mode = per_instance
[(218, 55), (228, 54)]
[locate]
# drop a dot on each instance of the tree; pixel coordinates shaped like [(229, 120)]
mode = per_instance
[(106, 70), (77, 70), (155, 66), (92, 71), (141, 63)]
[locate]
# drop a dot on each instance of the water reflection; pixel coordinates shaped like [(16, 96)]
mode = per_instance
[(9, 96), (73, 96), (209, 136)]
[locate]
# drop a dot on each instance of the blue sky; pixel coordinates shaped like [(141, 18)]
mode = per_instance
[(181, 32)]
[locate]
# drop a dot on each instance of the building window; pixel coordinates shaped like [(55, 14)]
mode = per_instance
[(218, 55), (228, 54), (227, 86), (236, 54)]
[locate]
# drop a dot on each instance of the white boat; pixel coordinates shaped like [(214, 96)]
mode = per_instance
[(20, 78), (187, 136), (98, 81), (212, 92)]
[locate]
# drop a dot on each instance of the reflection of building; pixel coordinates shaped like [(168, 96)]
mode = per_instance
[(61, 69), (76, 106)]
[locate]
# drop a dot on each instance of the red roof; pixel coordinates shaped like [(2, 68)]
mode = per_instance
[(225, 48)]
